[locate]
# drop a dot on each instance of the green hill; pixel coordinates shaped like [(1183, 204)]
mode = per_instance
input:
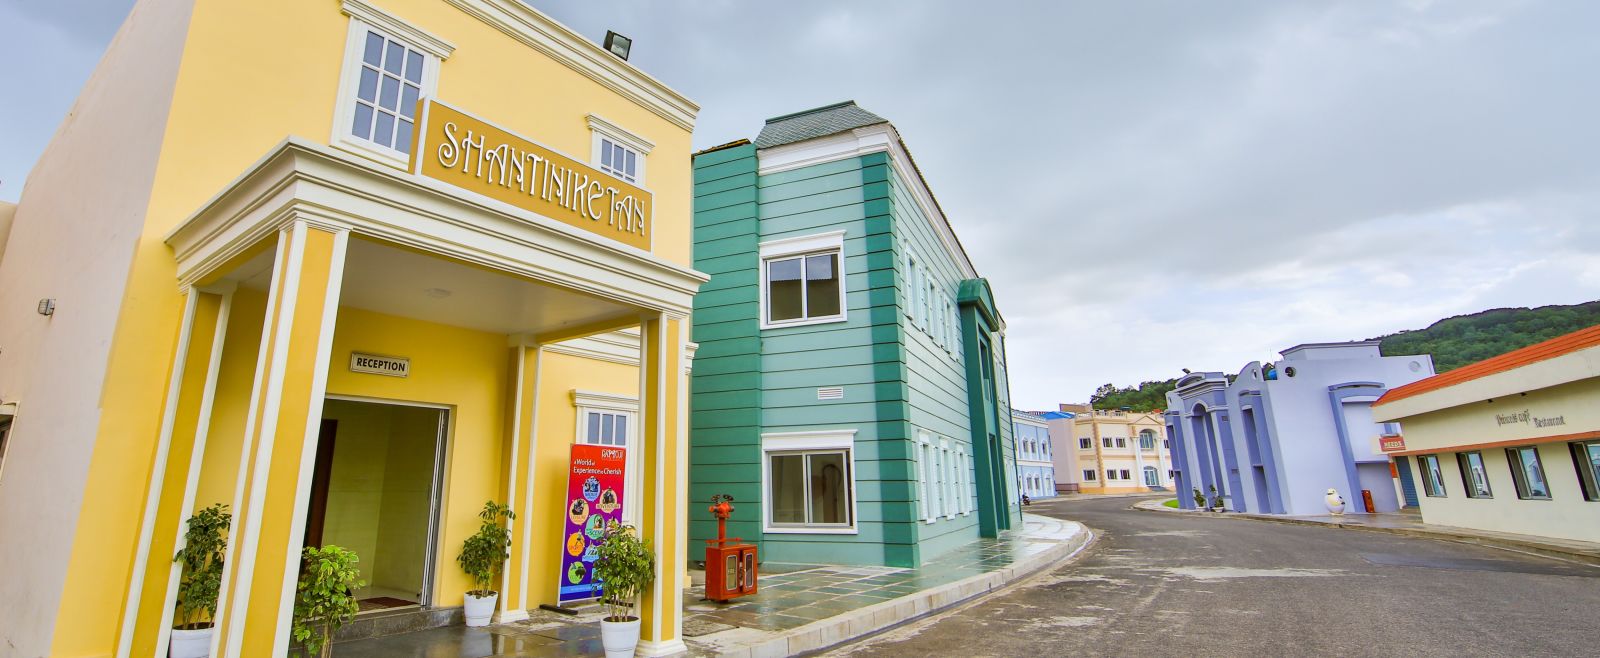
[(1464, 339), (1453, 342)]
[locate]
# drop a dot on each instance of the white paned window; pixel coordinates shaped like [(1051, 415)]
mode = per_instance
[(619, 160), (606, 419), (617, 151), (802, 280), (949, 480), (910, 286), (809, 481), (389, 66), (1088, 475)]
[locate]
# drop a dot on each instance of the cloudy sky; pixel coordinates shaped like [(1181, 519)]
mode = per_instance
[(1149, 185)]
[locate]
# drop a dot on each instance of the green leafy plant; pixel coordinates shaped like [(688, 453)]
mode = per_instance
[(205, 545), (324, 598), (1200, 498), (484, 554), (624, 567)]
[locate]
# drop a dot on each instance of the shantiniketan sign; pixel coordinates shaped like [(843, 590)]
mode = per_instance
[(473, 154), (594, 503)]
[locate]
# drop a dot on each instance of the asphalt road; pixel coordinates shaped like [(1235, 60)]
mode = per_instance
[(1159, 584)]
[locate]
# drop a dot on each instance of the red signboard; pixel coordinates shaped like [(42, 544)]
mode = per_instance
[(1392, 443), (594, 502)]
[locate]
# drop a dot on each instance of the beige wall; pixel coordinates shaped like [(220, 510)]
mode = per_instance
[(94, 179), (1566, 515), (8, 211)]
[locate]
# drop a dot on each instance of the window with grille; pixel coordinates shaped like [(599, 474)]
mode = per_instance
[(390, 79)]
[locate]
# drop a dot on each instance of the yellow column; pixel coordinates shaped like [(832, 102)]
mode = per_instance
[(665, 481), (522, 445), (280, 442), (152, 590)]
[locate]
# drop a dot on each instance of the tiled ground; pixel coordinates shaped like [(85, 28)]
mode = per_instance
[(789, 596), (802, 594)]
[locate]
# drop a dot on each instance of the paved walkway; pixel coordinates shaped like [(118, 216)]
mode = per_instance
[(1410, 523), (798, 608)]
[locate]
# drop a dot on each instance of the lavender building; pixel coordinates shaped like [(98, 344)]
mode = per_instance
[(1275, 437)]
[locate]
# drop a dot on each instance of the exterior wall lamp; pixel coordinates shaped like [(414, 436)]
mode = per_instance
[(618, 45)]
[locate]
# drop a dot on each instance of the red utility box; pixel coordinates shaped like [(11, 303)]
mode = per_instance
[(730, 566)]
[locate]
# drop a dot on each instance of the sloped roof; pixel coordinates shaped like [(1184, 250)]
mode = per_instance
[(813, 123), (1560, 345)]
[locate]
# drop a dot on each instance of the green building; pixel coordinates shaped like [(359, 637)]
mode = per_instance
[(850, 388)]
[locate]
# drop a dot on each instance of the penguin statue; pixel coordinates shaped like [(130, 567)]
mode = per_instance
[(1335, 502)]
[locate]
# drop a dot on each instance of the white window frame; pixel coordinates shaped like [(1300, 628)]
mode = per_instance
[(601, 128), (790, 442), (1091, 474), (950, 505), (586, 402), (1085, 443), (910, 285), (964, 487), (805, 245), (363, 18)]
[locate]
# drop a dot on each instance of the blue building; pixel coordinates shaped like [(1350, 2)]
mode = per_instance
[(1036, 473), (1275, 437)]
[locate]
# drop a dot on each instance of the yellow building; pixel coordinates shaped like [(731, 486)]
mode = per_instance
[(352, 268), (1121, 452)]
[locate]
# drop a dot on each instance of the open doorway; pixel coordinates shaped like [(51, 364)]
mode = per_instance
[(375, 491)]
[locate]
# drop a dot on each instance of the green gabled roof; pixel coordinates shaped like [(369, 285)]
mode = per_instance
[(813, 123)]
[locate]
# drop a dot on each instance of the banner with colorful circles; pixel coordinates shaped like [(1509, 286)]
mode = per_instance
[(594, 502)]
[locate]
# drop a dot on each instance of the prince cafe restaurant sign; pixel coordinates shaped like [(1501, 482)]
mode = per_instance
[(473, 154)]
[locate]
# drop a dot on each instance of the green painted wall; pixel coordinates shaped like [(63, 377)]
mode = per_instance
[(725, 385), (748, 381)]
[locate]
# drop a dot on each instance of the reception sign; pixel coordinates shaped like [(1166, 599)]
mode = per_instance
[(594, 502), (473, 154)]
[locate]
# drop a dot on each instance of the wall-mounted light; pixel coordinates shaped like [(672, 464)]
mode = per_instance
[(47, 307), (618, 45)]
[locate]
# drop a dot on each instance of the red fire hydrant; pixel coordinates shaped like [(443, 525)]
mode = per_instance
[(730, 565)]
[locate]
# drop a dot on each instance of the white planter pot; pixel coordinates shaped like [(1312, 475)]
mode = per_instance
[(619, 637), (1335, 502), (190, 644), (481, 610)]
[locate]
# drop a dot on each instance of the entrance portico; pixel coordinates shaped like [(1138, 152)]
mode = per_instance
[(314, 254)]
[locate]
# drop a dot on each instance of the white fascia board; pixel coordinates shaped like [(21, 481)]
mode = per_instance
[(802, 244), (876, 138), (326, 187), (1565, 369)]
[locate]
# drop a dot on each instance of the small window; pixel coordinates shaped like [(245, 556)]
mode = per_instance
[(1147, 440), (1111, 474), (619, 160), (1166, 443), (810, 488), (803, 280), (1586, 457), (1432, 475), (1089, 475), (606, 428), (1474, 475), (1124, 474), (1085, 443), (1528, 473), (1105, 441), (1122, 442), (1169, 474)]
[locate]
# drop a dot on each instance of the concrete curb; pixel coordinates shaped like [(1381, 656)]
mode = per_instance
[(828, 632), (1502, 543)]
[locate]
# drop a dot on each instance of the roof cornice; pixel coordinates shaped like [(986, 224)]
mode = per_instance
[(545, 34)]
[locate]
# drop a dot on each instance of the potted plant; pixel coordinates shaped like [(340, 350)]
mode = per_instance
[(1199, 499), (324, 598), (483, 556), (205, 545), (1216, 499), (624, 567)]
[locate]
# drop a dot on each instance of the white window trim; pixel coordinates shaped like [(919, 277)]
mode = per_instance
[(602, 128), (586, 401), (797, 246), (841, 439), (364, 17), (964, 495)]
